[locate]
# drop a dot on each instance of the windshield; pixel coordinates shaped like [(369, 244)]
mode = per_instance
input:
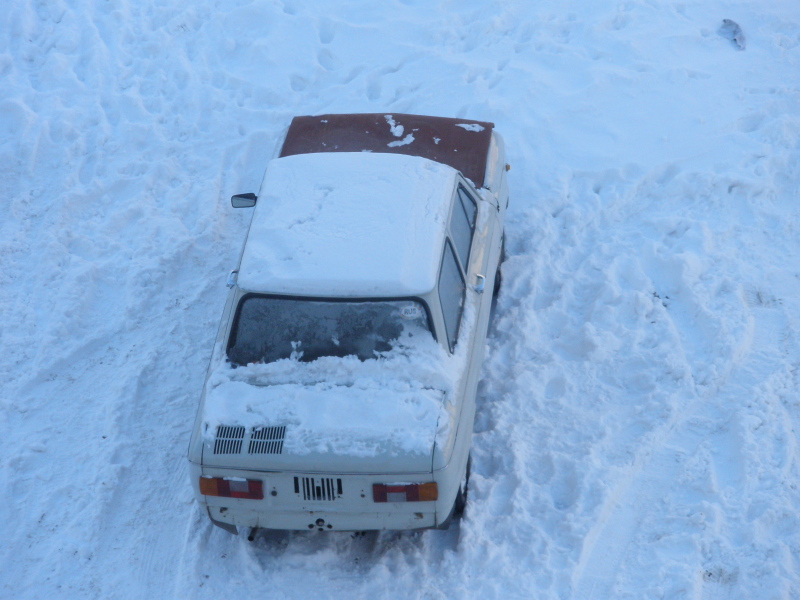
[(267, 329)]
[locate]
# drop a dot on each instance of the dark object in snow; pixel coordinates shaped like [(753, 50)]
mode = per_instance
[(460, 143), (732, 31)]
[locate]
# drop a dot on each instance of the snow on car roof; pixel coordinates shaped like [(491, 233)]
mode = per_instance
[(461, 143), (348, 225)]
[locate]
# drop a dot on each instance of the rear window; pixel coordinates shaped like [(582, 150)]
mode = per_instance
[(267, 328)]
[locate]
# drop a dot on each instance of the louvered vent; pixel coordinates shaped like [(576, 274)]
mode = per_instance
[(266, 440), (229, 440), (321, 489)]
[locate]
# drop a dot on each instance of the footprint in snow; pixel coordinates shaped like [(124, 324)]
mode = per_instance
[(731, 30)]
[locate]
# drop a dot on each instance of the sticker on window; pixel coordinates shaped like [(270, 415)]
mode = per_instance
[(411, 312)]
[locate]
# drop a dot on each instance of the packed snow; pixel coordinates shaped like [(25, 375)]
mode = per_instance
[(351, 420), (399, 403), (637, 416), (396, 129), (470, 126), (321, 216)]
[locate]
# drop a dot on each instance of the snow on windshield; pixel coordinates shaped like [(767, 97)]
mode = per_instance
[(269, 329), (344, 404)]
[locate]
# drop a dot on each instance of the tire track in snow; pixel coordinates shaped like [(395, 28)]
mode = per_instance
[(710, 428), (606, 545)]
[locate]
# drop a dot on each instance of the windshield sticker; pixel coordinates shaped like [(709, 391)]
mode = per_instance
[(411, 312)]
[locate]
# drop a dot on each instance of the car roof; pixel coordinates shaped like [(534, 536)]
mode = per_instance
[(460, 143), (348, 225)]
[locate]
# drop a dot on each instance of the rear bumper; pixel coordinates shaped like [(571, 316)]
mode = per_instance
[(320, 520), (288, 505)]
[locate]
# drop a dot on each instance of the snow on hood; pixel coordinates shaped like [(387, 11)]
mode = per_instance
[(399, 403), (363, 419)]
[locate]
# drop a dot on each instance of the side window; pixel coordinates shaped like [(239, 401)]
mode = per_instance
[(451, 294), (462, 224)]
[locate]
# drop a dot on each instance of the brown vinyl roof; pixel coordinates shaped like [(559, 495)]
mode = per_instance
[(460, 143)]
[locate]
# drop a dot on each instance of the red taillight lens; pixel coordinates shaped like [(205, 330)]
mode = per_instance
[(251, 489), (405, 492)]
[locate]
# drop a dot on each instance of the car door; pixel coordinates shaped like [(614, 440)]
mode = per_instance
[(473, 228)]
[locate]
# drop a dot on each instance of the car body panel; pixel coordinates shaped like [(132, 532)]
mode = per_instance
[(450, 381), (460, 143)]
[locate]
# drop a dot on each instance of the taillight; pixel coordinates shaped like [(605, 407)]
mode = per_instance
[(232, 488), (405, 492)]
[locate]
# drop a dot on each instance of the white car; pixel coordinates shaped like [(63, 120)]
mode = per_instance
[(341, 390)]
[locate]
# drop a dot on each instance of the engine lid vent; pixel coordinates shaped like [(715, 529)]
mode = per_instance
[(318, 489), (228, 440), (266, 440)]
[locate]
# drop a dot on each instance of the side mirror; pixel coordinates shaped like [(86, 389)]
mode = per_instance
[(244, 200)]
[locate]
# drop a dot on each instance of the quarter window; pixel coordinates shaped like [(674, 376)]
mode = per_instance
[(451, 294), (462, 224)]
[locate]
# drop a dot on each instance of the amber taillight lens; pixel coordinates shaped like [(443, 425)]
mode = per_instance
[(251, 489), (405, 492)]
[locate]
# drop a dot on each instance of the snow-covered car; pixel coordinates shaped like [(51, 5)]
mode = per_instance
[(341, 389)]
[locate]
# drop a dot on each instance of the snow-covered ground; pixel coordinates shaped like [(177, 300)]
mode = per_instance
[(636, 429)]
